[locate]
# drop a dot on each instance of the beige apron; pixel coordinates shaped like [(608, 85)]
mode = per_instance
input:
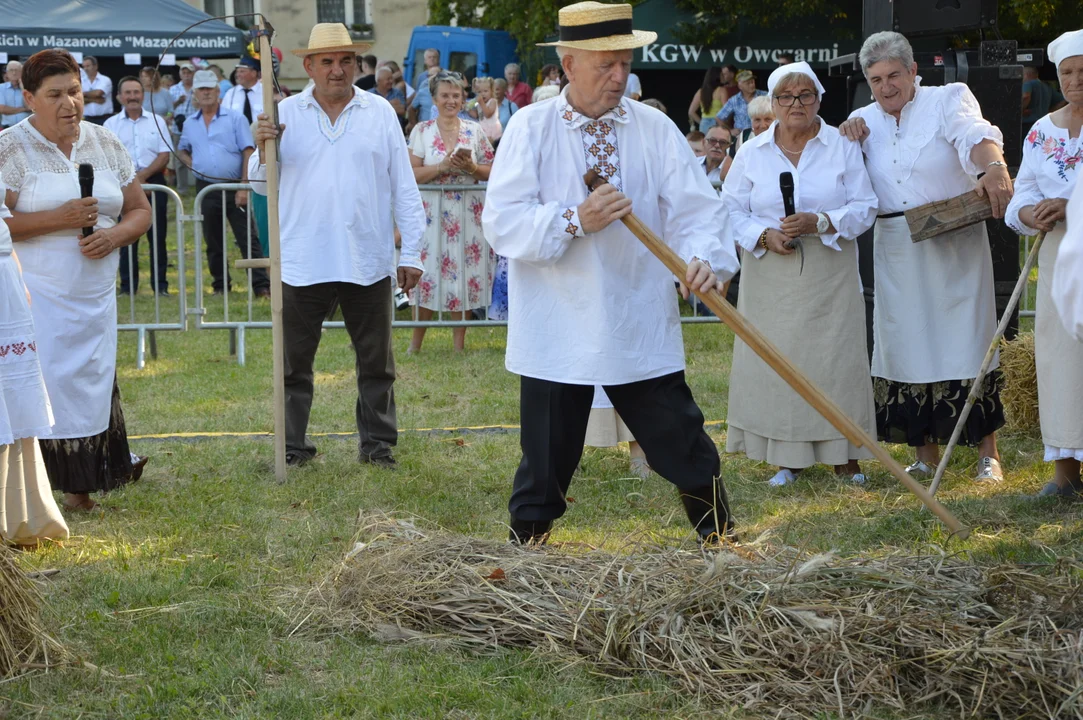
[(817, 320), (1059, 358)]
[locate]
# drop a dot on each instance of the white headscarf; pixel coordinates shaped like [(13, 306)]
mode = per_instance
[(1067, 45), (801, 68)]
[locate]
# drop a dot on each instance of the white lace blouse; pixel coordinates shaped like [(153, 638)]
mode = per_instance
[(45, 179)]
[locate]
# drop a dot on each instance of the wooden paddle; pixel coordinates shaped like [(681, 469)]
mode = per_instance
[(781, 365), (937, 218)]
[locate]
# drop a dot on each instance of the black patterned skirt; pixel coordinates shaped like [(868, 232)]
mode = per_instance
[(100, 462), (920, 414)]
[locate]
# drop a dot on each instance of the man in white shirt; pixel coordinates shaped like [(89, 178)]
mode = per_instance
[(97, 93), (588, 303), (246, 97), (346, 182), (146, 137), (716, 160), (12, 105)]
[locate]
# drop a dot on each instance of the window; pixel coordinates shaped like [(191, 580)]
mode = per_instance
[(244, 8), (347, 12)]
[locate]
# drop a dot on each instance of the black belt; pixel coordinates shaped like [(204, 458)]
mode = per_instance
[(888, 216)]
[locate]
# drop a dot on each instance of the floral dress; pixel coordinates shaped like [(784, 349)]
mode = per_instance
[(458, 262)]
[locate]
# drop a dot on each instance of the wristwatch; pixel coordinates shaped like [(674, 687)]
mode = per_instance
[(823, 223)]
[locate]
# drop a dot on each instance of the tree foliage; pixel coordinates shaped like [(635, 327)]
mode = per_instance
[(528, 21)]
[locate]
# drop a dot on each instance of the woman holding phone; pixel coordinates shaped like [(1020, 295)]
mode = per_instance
[(458, 262)]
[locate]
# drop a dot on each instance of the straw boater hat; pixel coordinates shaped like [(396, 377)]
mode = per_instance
[(595, 26), (329, 38)]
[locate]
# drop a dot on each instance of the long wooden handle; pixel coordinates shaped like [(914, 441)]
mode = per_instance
[(270, 158), (975, 388), (778, 362)]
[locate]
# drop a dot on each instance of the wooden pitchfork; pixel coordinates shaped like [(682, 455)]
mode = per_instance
[(781, 365)]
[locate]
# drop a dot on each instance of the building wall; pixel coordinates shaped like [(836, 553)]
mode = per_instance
[(392, 21)]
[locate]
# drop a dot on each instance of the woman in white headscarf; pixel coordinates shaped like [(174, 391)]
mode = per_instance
[(935, 310), (1052, 163), (807, 302)]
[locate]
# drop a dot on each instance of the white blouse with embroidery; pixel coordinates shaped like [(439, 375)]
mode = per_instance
[(1052, 162), (599, 308), (343, 189)]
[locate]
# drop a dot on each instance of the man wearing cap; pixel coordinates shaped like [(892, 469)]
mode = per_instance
[(569, 257), (346, 183), (12, 105), (734, 114), (246, 97), (216, 144), (183, 106)]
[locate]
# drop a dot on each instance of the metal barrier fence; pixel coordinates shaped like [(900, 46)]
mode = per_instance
[(139, 319), (450, 210)]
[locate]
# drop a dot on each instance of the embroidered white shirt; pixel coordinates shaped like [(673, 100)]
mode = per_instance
[(144, 138), (599, 308), (1052, 164), (830, 177), (343, 189)]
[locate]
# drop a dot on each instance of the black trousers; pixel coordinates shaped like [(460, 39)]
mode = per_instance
[(660, 412), (159, 256), (366, 310), (240, 221)]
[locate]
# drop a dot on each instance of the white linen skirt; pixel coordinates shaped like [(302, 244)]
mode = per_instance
[(1059, 359), (817, 319), (604, 427), (28, 512), (24, 403)]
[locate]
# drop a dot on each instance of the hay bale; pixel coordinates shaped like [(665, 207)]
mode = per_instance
[(779, 632), (24, 644), (1020, 391)]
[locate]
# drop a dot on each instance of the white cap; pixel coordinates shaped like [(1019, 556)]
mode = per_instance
[(204, 79), (801, 68), (1067, 45)]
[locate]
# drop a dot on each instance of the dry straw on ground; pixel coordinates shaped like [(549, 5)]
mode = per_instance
[(24, 643), (1020, 391), (771, 631)]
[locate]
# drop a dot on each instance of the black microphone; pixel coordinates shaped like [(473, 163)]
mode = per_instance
[(785, 184), (86, 188)]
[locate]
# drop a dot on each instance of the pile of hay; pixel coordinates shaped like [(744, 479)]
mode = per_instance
[(1020, 391), (24, 643), (784, 632)]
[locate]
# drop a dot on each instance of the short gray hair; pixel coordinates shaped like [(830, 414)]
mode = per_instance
[(500, 82), (383, 69), (513, 66), (885, 45), (760, 106)]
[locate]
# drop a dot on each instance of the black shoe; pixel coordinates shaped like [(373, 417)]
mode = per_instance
[(529, 532), (381, 461), (295, 459), (137, 468), (163, 293), (263, 292), (708, 510)]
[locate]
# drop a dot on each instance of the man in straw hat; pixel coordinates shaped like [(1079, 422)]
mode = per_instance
[(588, 304), (345, 183)]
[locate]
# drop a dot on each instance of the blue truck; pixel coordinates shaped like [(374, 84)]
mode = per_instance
[(470, 51)]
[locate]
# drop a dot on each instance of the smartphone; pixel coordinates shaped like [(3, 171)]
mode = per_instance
[(463, 153)]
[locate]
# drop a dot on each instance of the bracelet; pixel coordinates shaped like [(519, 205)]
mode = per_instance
[(763, 239), (998, 163)]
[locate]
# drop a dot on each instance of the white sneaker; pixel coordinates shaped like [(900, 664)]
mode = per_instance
[(857, 479), (781, 478), (640, 468), (989, 471), (919, 470)]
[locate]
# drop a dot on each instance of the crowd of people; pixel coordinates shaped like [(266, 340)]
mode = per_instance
[(354, 225)]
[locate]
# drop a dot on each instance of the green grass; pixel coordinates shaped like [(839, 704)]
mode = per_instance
[(182, 591)]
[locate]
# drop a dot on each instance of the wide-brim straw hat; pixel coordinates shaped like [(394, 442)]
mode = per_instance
[(329, 38), (596, 26)]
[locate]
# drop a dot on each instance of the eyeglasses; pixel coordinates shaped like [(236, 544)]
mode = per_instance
[(805, 98), (715, 142)]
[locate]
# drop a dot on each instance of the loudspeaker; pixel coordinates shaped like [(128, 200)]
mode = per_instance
[(914, 18)]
